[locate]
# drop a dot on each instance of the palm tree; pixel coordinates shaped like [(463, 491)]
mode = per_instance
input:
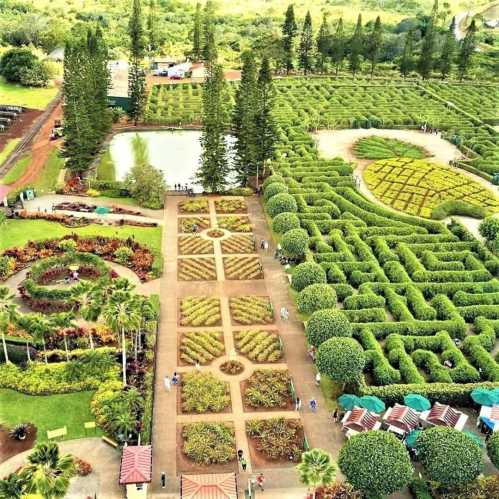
[(121, 315), (7, 313), (63, 320), (47, 472), (91, 299), (316, 468), (12, 487), (40, 327), (123, 424)]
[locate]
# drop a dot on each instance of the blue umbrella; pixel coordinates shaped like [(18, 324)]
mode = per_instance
[(411, 438), (372, 404), (483, 397), (348, 401), (474, 437), (489, 423), (417, 402), (102, 210)]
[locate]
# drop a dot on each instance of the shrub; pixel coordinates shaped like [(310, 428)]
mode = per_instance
[(489, 228), (419, 489), (306, 274), (449, 457), (295, 242), (268, 388), (325, 324), (493, 449), (376, 463), (20, 65), (273, 189), (123, 254), (67, 245), (209, 443), (316, 297), (272, 179), (281, 203), (285, 222), (342, 359), (202, 392)]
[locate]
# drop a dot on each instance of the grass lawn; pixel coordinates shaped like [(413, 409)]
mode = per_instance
[(34, 98), (48, 412), (126, 201), (9, 147), (105, 168), (17, 171), (331, 391), (47, 179)]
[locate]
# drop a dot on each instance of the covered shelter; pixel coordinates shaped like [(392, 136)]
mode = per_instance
[(359, 420), (490, 416), (209, 486), (401, 419), (117, 94), (444, 415), (136, 470)]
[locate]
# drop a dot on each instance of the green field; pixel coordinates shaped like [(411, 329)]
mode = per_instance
[(9, 147), (47, 179), (34, 98), (17, 171), (48, 412)]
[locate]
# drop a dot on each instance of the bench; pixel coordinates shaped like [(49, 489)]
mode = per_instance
[(110, 442), (58, 432)]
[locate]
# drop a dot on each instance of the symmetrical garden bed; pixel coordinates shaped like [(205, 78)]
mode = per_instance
[(201, 347), (266, 390), (238, 244), (231, 205), (258, 346), (235, 223), (196, 205), (200, 311), (243, 268), (193, 224), (203, 392), (384, 148), (248, 310), (196, 269), (194, 245)]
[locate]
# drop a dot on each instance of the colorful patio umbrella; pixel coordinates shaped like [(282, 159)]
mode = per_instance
[(474, 437), (417, 402), (495, 391), (348, 401), (483, 397), (410, 440), (372, 404), (489, 422), (102, 210)]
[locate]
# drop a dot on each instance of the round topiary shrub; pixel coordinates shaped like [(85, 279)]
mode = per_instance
[(306, 274), (342, 359), (284, 222), (273, 189), (295, 242), (281, 203), (272, 179), (493, 449), (316, 297), (449, 456), (376, 463), (325, 324)]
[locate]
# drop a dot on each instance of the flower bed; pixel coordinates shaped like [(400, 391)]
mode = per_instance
[(231, 205), (197, 311), (238, 244), (194, 245), (188, 224), (235, 223), (268, 389), (90, 208), (201, 347), (243, 268), (196, 269), (203, 392), (258, 346), (215, 233), (209, 443), (196, 205), (384, 148), (232, 367), (247, 310)]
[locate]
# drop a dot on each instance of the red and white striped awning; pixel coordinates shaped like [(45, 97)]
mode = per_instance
[(211, 486)]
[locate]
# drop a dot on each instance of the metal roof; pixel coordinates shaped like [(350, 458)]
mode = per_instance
[(136, 464), (210, 486)]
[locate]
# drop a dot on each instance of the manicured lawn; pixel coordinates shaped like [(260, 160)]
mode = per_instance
[(127, 201), (48, 412), (34, 98), (331, 391), (9, 147), (17, 171), (47, 179)]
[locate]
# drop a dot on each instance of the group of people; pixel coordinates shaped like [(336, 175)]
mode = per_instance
[(174, 380), (425, 128), (184, 188), (312, 404), (260, 478), (284, 313), (73, 277)]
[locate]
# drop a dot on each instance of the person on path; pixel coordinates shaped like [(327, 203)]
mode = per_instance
[(262, 244), (239, 454), (313, 405), (265, 245), (198, 367), (260, 480), (318, 379), (168, 383), (175, 378), (298, 404), (335, 415), (244, 463)]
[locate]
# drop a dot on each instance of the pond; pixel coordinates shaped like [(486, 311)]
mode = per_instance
[(175, 152)]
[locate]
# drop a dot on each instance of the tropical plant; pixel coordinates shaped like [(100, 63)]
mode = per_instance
[(7, 314), (12, 487), (209, 443), (493, 449), (316, 469)]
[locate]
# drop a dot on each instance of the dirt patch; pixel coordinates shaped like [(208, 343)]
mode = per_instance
[(10, 447), (19, 126)]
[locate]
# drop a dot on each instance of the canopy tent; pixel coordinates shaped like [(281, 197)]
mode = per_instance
[(490, 423), (484, 397), (348, 401), (417, 402), (372, 403), (490, 412), (359, 419), (402, 417), (444, 415), (136, 464), (211, 486), (411, 438)]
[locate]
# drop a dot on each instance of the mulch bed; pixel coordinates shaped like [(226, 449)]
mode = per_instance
[(19, 126), (10, 447)]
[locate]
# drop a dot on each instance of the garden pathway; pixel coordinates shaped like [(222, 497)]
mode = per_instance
[(282, 480)]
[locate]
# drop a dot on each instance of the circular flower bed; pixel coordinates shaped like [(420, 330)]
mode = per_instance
[(215, 233), (232, 367)]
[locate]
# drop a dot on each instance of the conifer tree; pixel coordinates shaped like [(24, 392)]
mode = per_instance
[(196, 34), (136, 73), (152, 27), (356, 46), (448, 50), (374, 44), (306, 44), (338, 46), (289, 30), (427, 57), (323, 43), (407, 60), (244, 120), (213, 171), (467, 49), (209, 46), (265, 123)]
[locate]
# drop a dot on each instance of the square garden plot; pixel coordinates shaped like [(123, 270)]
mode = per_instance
[(238, 243), (196, 269), (259, 345), (243, 268), (248, 310), (188, 224), (194, 245), (235, 223), (196, 205), (267, 390), (200, 347), (202, 392), (200, 311), (231, 205)]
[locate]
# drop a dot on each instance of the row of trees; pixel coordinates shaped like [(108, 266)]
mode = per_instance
[(86, 81)]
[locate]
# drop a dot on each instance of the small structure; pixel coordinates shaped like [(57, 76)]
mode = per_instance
[(210, 486), (444, 415), (162, 63), (490, 412), (117, 95), (136, 470), (198, 71), (401, 419), (179, 70), (359, 420)]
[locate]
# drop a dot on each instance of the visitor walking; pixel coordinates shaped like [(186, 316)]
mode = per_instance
[(262, 244), (168, 383), (198, 366), (298, 404), (260, 480), (175, 379), (318, 379), (335, 415), (313, 405), (244, 463), (239, 454), (265, 245), (163, 479)]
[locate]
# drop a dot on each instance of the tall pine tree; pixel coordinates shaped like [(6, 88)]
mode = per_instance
[(136, 73), (407, 59), (468, 47), (209, 46), (244, 120), (306, 44), (337, 49), (265, 124), (448, 51), (152, 29), (289, 30), (356, 47), (427, 57), (374, 44), (196, 34), (323, 44)]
